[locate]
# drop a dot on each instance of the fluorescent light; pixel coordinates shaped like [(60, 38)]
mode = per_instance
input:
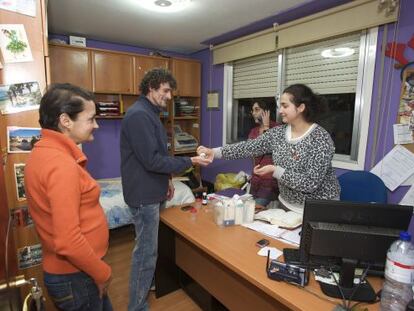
[(337, 52), (164, 6)]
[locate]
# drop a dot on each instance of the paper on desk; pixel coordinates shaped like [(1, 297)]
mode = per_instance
[(267, 229), (395, 167), (274, 252), (408, 199), (292, 236), (402, 134)]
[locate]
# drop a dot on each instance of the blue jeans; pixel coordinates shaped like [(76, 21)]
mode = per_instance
[(75, 291), (144, 256)]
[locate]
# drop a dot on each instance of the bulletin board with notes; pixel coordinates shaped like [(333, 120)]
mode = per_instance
[(405, 119)]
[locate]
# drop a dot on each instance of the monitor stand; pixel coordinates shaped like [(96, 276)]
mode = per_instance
[(364, 293), (358, 292)]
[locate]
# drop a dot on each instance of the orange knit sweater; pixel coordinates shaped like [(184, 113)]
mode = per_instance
[(63, 201)]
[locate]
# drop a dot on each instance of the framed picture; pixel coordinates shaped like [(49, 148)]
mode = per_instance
[(22, 139), (26, 7), (19, 178), (14, 44), (19, 97), (213, 100), (29, 256)]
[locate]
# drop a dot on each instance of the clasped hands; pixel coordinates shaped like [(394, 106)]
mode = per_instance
[(204, 156)]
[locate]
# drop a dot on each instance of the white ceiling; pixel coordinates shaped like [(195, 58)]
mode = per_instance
[(123, 21)]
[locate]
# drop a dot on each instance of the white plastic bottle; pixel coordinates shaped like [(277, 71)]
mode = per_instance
[(399, 275)]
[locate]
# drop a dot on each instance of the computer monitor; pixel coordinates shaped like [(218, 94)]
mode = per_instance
[(355, 233)]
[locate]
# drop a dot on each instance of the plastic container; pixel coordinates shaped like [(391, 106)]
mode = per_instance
[(204, 200), (248, 215), (238, 212), (399, 275)]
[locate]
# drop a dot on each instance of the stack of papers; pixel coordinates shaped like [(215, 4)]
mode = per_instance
[(280, 217)]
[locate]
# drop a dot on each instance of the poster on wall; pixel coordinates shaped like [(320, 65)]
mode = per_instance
[(19, 97), (19, 178), (406, 110), (14, 44), (29, 256), (22, 139), (26, 7)]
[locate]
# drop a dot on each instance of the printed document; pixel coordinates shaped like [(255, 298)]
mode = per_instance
[(395, 167)]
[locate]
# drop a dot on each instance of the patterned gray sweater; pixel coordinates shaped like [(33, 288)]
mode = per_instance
[(304, 166)]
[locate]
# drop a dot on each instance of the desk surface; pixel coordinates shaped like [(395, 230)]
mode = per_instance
[(235, 248)]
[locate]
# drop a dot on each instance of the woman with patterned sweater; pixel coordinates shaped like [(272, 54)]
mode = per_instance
[(302, 151)]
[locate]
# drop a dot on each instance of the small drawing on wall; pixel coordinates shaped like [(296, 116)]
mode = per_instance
[(19, 178), (14, 44), (19, 97), (26, 7), (22, 139), (29, 256)]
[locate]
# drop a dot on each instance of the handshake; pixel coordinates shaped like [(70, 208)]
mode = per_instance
[(204, 156)]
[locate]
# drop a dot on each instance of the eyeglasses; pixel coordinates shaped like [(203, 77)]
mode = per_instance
[(256, 110)]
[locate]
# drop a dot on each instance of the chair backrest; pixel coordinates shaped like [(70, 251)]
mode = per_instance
[(362, 186)]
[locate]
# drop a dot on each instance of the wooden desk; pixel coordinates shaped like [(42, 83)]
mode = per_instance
[(225, 263)]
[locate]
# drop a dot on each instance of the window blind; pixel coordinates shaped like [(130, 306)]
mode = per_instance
[(255, 76), (325, 75)]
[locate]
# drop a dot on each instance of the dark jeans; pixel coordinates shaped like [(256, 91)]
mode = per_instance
[(144, 256), (75, 291)]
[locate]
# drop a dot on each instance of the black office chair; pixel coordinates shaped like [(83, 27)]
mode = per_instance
[(362, 186)]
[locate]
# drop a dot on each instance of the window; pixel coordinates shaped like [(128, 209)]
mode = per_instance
[(339, 69), (253, 79)]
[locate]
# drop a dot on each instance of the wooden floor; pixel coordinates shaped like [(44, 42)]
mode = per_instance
[(119, 256)]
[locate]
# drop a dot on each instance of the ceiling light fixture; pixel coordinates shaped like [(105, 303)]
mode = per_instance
[(163, 3), (164, 6), (337, 52)]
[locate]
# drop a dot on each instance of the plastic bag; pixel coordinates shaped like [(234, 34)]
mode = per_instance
[(229, 180)]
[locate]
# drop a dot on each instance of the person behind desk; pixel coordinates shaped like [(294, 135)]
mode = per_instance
[(302, 151), (263, 188)]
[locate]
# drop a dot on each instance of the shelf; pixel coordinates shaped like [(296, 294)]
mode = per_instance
[(185, 151), (186, 118), (109, 117)]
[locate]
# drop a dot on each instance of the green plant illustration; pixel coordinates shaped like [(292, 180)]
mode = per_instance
[(15, 45)]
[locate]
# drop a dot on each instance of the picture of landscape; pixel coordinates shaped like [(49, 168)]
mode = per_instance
[(19, 97), (21, 139)]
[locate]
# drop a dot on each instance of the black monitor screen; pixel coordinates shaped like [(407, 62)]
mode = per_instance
[(353, 233)]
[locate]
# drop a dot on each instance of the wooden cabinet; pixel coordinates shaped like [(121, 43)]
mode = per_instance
[(187, 73), (70, 65), (113, 72), (144, 64)]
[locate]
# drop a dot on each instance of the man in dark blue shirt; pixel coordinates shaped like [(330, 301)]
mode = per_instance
[(146, 169)]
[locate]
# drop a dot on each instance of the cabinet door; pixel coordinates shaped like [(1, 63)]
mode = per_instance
[(187, 73), (70, 65), (113, 73), (144, 64)]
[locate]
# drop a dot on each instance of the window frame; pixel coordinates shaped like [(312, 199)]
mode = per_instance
[(363, 98)]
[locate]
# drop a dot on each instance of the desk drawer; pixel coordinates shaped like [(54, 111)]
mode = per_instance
[(230, 289)]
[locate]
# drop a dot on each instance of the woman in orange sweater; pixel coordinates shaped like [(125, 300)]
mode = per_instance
[(63, 201)]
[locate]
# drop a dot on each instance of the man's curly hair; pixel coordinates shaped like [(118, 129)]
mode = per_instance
[(154, 78)]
